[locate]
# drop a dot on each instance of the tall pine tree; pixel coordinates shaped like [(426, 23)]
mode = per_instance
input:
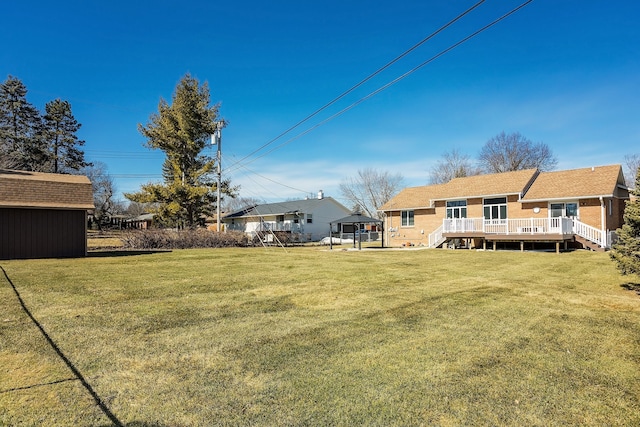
[(20, 124), (182, 130), (59, 133), (626, 251)]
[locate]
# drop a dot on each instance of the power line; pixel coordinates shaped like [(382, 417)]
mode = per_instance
[(238, 163), (124, 154), (269, 179), (386, 86), (366, 79)]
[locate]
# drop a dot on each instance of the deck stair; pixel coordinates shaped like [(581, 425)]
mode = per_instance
[(588, 244), (589, 237), (436, 238)]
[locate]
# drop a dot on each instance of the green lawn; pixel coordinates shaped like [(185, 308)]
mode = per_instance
[(310, 337)]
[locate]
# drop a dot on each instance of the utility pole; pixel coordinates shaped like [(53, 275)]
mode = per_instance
[(216, 139)]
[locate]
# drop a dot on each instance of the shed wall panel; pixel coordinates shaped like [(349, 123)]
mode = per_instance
[(42, 233)]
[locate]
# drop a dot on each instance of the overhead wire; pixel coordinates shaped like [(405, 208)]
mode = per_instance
[(246, 159), (389, 84), (366, 79)]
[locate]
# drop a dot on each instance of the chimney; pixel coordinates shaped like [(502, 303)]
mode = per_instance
[(320, 195)]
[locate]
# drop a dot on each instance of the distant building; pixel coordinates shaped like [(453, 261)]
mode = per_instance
[(309, 218)]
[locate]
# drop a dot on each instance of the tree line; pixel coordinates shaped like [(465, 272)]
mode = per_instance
[(34, 140), (370, 189), (504, 152)]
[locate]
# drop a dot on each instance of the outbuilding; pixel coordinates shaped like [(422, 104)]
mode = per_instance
[(43, 215), (354, 224)]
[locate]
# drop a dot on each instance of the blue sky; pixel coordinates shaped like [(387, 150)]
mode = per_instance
[(562, 72)]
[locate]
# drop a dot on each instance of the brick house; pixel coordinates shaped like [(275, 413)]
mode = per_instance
[(579, 207)]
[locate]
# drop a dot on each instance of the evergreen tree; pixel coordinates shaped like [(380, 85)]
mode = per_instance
[(20, 126), (626, 251), (59, 133), (182, 130)]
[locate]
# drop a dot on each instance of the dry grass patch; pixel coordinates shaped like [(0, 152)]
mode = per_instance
[(310, 337)]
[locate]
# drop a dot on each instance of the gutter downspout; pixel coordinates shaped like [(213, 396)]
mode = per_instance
[(603, 223), (385, 228)]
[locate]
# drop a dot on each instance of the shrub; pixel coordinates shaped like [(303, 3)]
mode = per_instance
[(184, 239)]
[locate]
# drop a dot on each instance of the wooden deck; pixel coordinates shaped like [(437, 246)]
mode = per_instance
[(555, 238), (527, 237), (555, 230)]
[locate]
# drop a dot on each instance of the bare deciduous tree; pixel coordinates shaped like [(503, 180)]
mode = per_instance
[(454, 164), (236, 203), (103, 192), (370, 189), (631, 165), (512, 152), (135, 209)]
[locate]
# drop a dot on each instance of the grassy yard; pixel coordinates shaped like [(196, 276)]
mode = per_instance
[(310, 337)]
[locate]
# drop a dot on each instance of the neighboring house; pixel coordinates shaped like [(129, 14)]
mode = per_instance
[(141, 222), (43, 215), (308, 219), (577, 207)]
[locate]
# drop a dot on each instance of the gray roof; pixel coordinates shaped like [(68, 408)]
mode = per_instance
[(356, 219), (282, 208)]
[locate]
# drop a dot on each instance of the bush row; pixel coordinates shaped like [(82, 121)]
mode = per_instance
[(184, 239)]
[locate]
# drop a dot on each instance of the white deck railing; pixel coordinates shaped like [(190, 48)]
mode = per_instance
[(436, 238), (590, 233), (523, 226), (509, 226)]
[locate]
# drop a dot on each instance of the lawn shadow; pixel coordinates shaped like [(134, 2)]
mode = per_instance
[(124, 252), (137, 424), (28, 387), (631, 286), (76, 373)]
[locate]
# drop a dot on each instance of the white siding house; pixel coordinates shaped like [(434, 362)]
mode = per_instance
[(309, 218)]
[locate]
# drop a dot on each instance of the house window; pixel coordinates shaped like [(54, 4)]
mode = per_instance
[(407, 219), (457, 209), (309, 218), (610, 207), (495, 208), (563, 209)]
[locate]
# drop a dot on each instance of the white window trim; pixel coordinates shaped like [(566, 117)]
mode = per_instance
[(564, 209), (401, 219), (505, 204)]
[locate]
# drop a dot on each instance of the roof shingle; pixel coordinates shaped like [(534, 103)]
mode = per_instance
[(576, 183), (281, 208), (24, 189), (533, 185), (471, 186)]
